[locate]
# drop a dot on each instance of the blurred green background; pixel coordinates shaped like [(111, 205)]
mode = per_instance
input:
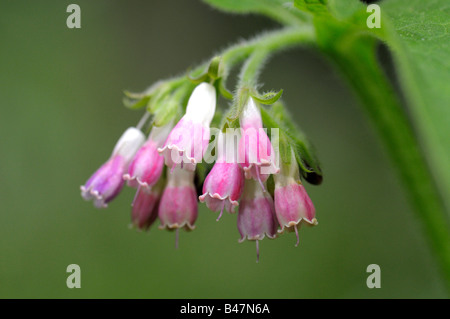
[(61, 113)]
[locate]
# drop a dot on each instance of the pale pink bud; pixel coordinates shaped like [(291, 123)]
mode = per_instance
[(106, 183), (144, 209), (256, 154), (225, 182), (256, 218), (178, 207), (187, 142), (147, 165)]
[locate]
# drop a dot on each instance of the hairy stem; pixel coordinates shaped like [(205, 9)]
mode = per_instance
[(271, 42)]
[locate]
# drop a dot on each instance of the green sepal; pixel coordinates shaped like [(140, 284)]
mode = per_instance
[(135, 96), (220, 86), (134, 103), (163, 115), (267, 98), (214, 68), (211, 74), (137, 101), (197, 80), (159, 98)]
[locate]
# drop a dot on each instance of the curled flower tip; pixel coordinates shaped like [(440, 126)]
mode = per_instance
[(107, 182)]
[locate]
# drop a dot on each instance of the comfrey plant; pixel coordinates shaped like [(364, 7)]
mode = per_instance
[(250, 158), (247, 155), (164, 166)]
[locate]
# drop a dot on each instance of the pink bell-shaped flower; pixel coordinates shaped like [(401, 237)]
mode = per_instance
[(144, 209), (106, 183), (178, 207), (256, 218), (147, 165), (292, 203), (225, 182), (187, 142)]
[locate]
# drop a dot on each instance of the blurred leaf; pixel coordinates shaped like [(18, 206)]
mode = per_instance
[(313, 6), (421, 46), (344, 36), (417, 34), (345, 9)]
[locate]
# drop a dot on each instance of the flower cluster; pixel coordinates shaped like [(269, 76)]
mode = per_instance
[(246, 174)]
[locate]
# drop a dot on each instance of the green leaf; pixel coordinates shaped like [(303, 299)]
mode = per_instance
[(275, 9), (421, 47), (339, 9), (345, 9)]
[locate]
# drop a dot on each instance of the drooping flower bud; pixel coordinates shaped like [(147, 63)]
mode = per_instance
[(256, 153), (292, 203), (225, 182), (256, 218), (187, 142), (106, 183), (147, 165), (178, 207), (144, 209)]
